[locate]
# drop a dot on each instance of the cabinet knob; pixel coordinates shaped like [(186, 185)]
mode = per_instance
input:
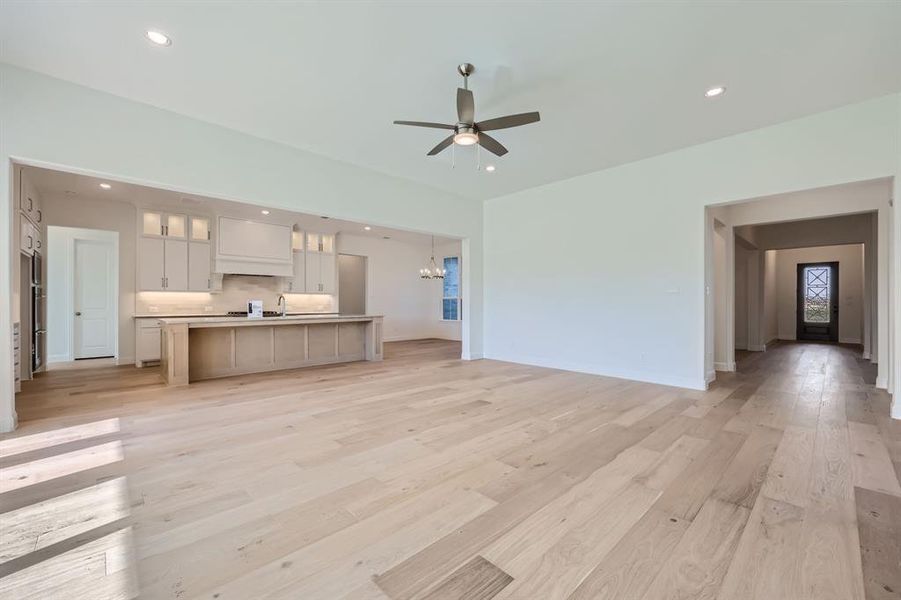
[(78, 313)]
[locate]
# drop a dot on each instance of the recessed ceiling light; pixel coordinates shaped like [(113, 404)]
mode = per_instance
[(490, 168), (715, 91), (105, 186), (160, 39), (265, 212), (368, 228)]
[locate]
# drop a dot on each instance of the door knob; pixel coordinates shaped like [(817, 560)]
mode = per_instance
[(78, 314)]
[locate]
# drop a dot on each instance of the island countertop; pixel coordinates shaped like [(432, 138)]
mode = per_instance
[(194, 322)]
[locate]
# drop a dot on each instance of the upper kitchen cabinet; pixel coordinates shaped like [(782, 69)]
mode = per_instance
[(321, 242), (30, 238), (200, 229), (159, 224), (30, 201), (174, 253), (200, 257), (320, 264), (254, 248), (296, 284)]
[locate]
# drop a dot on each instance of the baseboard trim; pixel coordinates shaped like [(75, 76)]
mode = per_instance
[(882, 382), (125, 360), (757, 348), (849, 341), (710, 375), (728, 367), (473, 356), (591, 369)]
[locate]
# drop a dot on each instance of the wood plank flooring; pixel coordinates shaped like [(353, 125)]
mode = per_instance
[(426, 477)]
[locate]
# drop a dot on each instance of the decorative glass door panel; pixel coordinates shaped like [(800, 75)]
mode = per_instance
[(818, 302), (817, 294)]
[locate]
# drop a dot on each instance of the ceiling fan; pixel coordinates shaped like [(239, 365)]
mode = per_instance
[(467, 131)]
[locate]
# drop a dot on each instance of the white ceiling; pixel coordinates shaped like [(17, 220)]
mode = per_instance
[(614, 81), (75, 186)]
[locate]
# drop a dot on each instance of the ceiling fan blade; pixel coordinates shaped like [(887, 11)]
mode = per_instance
[(441, 145), (508, 121), (425, 124), (491, 145), (466, 109)]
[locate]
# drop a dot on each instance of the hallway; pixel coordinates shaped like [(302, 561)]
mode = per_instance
[(430, 477)]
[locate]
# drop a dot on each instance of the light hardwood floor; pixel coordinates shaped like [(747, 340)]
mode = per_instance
[(432, 478)]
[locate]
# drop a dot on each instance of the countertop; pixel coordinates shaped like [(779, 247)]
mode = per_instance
[(245, 322), (214, 315)]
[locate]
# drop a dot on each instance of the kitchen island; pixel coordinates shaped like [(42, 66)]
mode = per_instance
[(197, 348)]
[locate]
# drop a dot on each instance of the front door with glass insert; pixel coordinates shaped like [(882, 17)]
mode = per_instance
[(818, 301)]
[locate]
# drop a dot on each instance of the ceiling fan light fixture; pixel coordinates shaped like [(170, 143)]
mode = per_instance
[(466, 138), (715, 91), (157, 37)]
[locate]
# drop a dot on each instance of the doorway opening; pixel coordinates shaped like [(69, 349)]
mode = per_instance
[(800, 266), (82, 294)]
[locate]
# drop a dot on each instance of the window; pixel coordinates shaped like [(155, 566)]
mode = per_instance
[(816, 294), (450, 302)]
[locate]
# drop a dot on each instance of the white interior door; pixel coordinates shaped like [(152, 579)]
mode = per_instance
[(95, 299)]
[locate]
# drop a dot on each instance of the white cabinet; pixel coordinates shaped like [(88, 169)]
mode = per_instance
[(176, 265), (160, 224), (328, 264), (31, 237), (151, 264), (163, 265), (147, 341), (200, 229), (199, 275), (167, 260), (29, 201), (320, 264), (297, 283), (27, 236)]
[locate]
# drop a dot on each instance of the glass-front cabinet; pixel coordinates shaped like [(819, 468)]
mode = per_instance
[(159, 224), (200, 229)]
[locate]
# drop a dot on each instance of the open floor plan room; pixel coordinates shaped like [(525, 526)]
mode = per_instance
[(440, 300), (425, 476)]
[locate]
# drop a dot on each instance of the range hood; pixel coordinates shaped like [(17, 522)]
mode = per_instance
[(253, 248)]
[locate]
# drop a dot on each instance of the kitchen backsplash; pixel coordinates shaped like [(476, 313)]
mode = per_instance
[(236, 291)]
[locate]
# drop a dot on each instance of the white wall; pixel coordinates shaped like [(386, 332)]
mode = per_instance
[(83, 213), (48, 122), (742, 298), (606, 272), (411, 306), (850, 288), (770, 310), (60, 290)]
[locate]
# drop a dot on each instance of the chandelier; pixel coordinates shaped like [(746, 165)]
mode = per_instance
[(432, 271)]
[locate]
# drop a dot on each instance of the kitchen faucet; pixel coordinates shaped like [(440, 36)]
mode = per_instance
[(282, 304)]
